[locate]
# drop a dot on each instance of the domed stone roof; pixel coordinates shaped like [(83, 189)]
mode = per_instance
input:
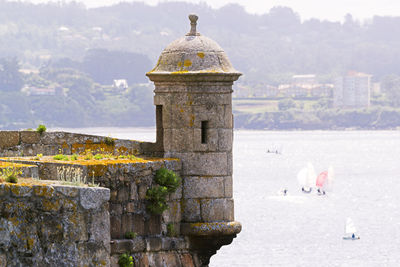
[(193, 54)]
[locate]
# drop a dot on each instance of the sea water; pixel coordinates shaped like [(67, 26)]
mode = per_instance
[(307, 229)]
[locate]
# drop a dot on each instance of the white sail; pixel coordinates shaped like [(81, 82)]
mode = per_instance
[(311, 175), (302, 177), (350, 228)]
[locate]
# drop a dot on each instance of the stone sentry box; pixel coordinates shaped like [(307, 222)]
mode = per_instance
[(193, 96)]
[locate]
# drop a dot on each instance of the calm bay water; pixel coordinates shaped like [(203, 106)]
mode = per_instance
[(306, 229)]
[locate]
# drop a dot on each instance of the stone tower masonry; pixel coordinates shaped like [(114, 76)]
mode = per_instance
[(193, 96)]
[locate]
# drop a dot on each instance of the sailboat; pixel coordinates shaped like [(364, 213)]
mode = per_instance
[(350, 230), (306, 178), (324, 181)]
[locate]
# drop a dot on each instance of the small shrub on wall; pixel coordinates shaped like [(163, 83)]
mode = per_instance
[(167, 183)]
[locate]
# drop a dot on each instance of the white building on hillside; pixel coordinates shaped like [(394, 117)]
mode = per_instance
[(352, 90)]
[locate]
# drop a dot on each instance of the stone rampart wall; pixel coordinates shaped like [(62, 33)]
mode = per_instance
[(31, 143), (54, 225)]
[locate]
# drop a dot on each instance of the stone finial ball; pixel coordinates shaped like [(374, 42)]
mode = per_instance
[(193, 18)]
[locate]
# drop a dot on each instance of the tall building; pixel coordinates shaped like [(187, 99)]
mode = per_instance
[(352, 90)]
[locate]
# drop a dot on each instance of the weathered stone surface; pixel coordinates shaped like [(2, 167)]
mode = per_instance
[(30, 137), (173, 243), (191, 210), (225, 139), (133, 192), (116, 227), (173, 214), (9, 139), (153, 244), (178, 139), (187, 260), (99, 229), (21, 191), (137, 244), (3, 260), (228, 184), (213, 164), (153, 225), (212, 141), (52, 229), (203, 187), (211, 229), (92, 198), (214, 210)]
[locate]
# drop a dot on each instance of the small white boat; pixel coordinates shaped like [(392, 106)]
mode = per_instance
[(350, 230)]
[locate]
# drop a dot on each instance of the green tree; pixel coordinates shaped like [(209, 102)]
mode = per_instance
[(10, 77), (286, 104), (391, 88)]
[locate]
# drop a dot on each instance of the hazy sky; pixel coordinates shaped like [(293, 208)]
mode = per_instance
[(323, 9)]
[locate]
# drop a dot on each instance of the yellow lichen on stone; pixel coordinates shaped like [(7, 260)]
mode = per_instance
[(187, 63), (180, 72), (43, 191), (191, 122), (200, 55), (30, 243), (51, 205)]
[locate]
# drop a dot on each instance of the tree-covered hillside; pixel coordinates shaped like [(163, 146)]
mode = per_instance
[(96, 46)]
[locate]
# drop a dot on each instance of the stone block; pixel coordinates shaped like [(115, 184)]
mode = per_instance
[(137, 244), (227, 121), (93, 198), (205, 99), (3, 260), (153, 225), (130, 207), (178, 139), (153, 244), (115, 209), (162, 99), (133, 191), (30, 137), (53, 138), (212, 140), (43, 191), (142, 191), (229, 169), (4, 190), (225, 139), (174, 165), (211, 164), (229, 214), (214, 114), (173, 243), (191, 210), (116, 227), (181, 117), (138, 222), (99, 228), (123, 194), (215, 210), (20, 191), (126, 223), (9, 139), (187, 260), (176, 195), (173, 214), (228, 184), (203, 187)]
